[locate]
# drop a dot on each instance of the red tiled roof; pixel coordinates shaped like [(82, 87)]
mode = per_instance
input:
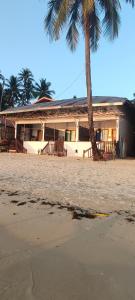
[(44, 99)]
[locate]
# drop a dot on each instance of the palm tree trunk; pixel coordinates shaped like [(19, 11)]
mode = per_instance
[(95, 151)]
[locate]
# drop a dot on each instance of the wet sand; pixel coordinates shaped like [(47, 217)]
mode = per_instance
[(44, 253), (45, 256)]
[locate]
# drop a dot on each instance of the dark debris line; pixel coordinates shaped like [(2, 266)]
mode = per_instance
[(77, 212)]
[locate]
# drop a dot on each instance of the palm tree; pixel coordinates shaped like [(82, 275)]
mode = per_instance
[(2, 83), (90, 16), (12, 91), (26, 81), (42, 89)]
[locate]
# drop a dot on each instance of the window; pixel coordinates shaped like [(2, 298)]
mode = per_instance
[(70, 135), (104, 134), (108, 134)]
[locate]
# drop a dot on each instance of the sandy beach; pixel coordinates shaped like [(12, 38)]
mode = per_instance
[(44, 253), (100, 185)]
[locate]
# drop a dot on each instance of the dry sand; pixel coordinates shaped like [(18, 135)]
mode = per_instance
[(100, 185), (44, 253)]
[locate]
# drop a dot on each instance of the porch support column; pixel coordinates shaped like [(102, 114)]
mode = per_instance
[(43, 132), (117, 129), (24, 133), (15, 131), (77, 130)]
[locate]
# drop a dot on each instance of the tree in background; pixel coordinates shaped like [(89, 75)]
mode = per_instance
[(11, 94), (26, 80), (20, 90), (42, 89), (91, 17), (2, 84)]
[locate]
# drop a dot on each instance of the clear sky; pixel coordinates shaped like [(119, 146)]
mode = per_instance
[(23, 43)]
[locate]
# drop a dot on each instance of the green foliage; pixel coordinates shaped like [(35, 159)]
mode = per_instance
[(26, 86), (102, 15), (20, 90), (42, 89), (12, 91)]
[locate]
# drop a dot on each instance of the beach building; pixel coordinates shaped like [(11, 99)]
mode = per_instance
[(61, 126)]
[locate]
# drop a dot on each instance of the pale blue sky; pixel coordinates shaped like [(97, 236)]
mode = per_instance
[(23, 43)]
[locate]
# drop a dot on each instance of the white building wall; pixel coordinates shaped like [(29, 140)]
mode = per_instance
[(73, 148), (34, 146), (76, 148)]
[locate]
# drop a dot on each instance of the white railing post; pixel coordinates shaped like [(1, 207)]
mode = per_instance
[(15, 131), (77, 130), (117, 129), (43, 132)]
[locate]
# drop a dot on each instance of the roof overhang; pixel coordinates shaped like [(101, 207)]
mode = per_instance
[(34, 109)]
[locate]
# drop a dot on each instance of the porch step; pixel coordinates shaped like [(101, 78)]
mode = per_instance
[(12, 151), (54, 148), (4, 146), (3, 149), (16, 146)]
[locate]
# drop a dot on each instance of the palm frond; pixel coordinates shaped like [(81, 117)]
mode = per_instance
[(61, 18), (25, 74), (50, 19), (77, 11), (2, 78), (72, 36), (56, 17), (95, 29), (41, 89), (132, 2), (87, 7), (111, 20)]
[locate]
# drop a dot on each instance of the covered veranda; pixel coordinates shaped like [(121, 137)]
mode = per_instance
[(35, 134)]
